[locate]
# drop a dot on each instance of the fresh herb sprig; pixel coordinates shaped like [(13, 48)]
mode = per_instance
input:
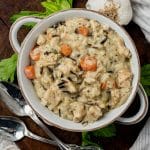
[(107, 132), (8, 68), (50, 7)]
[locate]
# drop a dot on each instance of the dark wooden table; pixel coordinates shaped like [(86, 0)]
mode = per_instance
[(126, 135)]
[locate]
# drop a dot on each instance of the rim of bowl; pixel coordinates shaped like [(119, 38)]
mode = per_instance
[(94, 128)]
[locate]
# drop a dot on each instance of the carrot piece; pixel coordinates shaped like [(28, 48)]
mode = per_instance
[(65, 49), (83, 30), (88, 63), (29, 72), (34, 56)]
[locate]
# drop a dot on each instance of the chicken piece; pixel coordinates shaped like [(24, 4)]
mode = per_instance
[(91, 91), (103, 100), (101, 104), (49, 60), (38, 68), (35, 54), (107, 82), (53, 97), (66, 66), (89, 80), (50, 33), (95, 26), (78, 111), (46, 78), (82, 99), (93, 113), (124, 78), (64, 109), (54, 42), (124, 92), (116, 67), (71, 87), (115, 97), (41, 39), (39, 88), (122, 50)]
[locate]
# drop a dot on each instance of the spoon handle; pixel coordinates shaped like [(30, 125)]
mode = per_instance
[(39, 138), (34, 117), (72, 146)]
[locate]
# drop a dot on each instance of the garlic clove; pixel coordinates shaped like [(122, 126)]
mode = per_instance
[(95, 4), (125, 12), (118, 10)]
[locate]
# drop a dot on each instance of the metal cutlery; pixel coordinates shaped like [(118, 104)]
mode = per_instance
[(12, 97), (14, 129)]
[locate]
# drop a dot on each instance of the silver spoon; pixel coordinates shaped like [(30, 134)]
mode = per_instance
[(14, 129), (12, 97)]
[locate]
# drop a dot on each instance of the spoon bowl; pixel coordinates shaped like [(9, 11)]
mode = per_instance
[(11, 128), (14, 129), (10, 94)]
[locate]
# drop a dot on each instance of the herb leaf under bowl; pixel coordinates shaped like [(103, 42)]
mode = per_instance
[(8, 68), (145, 78), (109, 131)]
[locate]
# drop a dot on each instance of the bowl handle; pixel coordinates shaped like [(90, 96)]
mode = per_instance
[(15, 28), (142, 110)]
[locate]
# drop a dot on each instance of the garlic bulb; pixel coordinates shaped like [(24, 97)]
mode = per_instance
[(118, 10)]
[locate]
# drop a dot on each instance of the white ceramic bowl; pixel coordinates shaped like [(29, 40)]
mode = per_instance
[(28, 89)]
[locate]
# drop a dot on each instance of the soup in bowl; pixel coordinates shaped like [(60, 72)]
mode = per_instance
[(77, 69)]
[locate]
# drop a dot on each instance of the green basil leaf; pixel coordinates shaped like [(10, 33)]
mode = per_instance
[(50, 6), (145, 78), (108, 131), (147, 89), (70, 2), (8, 68), (87, 141), (64, 4), (145, 71)]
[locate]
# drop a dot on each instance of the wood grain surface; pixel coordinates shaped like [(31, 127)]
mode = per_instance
[(126, 135)]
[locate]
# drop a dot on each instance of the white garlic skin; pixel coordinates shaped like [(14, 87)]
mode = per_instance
[(96, 4), (124, 9), (125, 12)]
